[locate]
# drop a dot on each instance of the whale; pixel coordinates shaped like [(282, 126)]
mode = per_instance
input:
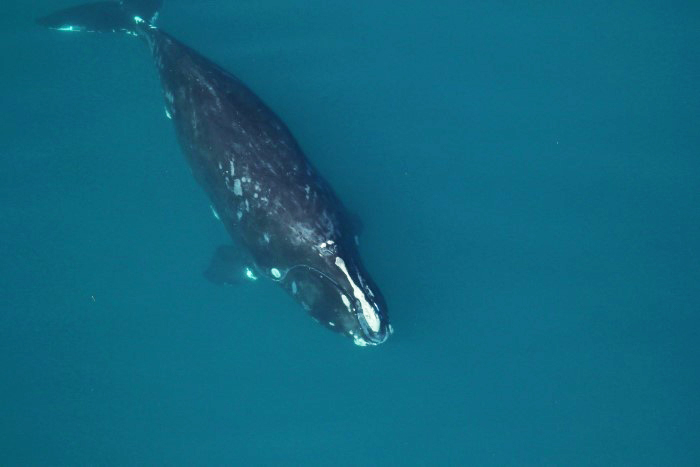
[(285, 222)]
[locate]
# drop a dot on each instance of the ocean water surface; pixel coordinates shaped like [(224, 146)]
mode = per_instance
[(528, 178)]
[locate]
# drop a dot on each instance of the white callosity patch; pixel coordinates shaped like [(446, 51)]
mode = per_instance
[(139, 20), (276, 273), (294, 287), (359, 341), (237, 190), (346, 300), (367, 310)]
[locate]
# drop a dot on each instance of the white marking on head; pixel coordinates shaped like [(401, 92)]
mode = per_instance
[(294, 287), (239, 214), (266, 237), (276, 273), (346, 300), (367, 311), (359, 341), (231, 166), (326, 248)]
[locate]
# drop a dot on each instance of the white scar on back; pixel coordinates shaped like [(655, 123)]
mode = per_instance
[(367, 310)]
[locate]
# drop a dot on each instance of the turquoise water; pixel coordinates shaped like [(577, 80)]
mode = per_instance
[(528, 178)]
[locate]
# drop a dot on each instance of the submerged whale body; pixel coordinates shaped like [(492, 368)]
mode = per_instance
[(286, 223)]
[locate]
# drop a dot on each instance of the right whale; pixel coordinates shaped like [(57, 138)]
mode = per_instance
[(286, 223)]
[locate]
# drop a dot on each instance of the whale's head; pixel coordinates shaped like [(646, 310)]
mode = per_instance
[(339, 294)]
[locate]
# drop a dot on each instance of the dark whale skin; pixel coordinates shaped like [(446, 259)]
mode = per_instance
[(284, 219), (269, 197)]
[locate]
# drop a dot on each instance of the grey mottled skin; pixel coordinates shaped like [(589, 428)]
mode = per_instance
[(268, 196)]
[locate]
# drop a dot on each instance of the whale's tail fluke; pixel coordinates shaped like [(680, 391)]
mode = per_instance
[(114, 16)]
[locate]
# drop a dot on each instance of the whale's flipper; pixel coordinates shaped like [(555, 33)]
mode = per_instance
[(103, 16), (229, 266)]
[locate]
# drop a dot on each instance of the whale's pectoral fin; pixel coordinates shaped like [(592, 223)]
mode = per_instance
[(229, 266), (92, 17)]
